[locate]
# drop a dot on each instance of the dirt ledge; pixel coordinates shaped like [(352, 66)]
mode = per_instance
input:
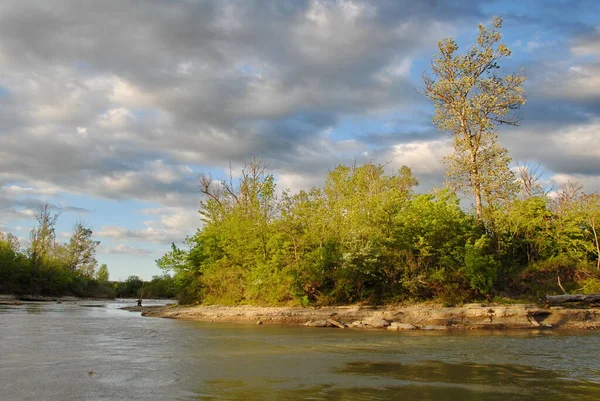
[(423, 316)]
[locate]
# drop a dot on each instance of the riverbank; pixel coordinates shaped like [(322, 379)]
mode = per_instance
[(8, 299), (413, 317)]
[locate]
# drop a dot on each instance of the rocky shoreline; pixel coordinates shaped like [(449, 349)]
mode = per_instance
[(396, 318)]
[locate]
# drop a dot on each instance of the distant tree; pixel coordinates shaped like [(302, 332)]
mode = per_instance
[(568, 194), (132, 287), (102, 274), (160, 287), (530, 180), (13, 264), (10, 241), (470, 100), (42, 238), (82, 250)]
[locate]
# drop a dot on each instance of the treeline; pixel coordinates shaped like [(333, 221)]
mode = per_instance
[(366, 236), (160, 287), (50, 268)]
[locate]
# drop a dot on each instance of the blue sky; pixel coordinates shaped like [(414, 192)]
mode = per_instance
[(110, 110)]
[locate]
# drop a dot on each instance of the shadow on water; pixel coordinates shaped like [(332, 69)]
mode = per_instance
[(460, 373), (409, 392), (424, 381)]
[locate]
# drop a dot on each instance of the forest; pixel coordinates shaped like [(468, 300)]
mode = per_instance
[(368, 236)]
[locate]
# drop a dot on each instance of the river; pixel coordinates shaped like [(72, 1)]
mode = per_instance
[(94, 351)]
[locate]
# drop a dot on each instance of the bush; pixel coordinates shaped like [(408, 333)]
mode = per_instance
[(481, 270)]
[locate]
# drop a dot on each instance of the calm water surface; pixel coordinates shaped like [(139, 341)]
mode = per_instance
[(94, 351)]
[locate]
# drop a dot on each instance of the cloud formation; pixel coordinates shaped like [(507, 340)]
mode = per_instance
[(124, 250)]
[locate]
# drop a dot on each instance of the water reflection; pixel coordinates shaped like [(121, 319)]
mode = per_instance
[(408, 392), (520, 381), (463, 373), (435, 381)]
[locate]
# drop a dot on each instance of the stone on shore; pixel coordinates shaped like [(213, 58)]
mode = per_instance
[(434, 327), (376, 322), (401, 326), (423, 316), (316, 323)]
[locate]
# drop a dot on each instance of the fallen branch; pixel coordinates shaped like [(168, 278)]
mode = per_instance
[(336, 323), (572, 299)]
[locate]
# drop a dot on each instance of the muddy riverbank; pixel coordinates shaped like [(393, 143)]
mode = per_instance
[(413, 317)]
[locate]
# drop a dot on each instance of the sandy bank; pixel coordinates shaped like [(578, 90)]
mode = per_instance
[(424, 316)]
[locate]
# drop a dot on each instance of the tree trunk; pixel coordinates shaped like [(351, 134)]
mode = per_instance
[(573, 299), (596, 241), (476, 186)]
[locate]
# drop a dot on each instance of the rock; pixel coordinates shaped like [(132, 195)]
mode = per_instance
[(433, 327), (316, 323), (357, 323), (401, 326), (376, 322), (336, 323)]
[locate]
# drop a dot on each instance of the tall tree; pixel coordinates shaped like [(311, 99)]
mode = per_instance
[(42, 238), (470, 100), (82, 250)]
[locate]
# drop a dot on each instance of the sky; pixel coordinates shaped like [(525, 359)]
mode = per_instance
[(109, 110)]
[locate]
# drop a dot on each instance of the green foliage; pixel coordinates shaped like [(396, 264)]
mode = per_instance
[(590, 286), (130, 288), (160, 287), (50, 268), (365, 237), (481, 270), (80, 251), (102, 274), (432, 232), (15, 269), (542, 278)]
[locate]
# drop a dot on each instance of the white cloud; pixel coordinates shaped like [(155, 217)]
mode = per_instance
[(169, 224), (124, 249), (422, 157), (588, 46), (579, 82)]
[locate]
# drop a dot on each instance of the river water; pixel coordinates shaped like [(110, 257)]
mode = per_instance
[(94, 351)]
